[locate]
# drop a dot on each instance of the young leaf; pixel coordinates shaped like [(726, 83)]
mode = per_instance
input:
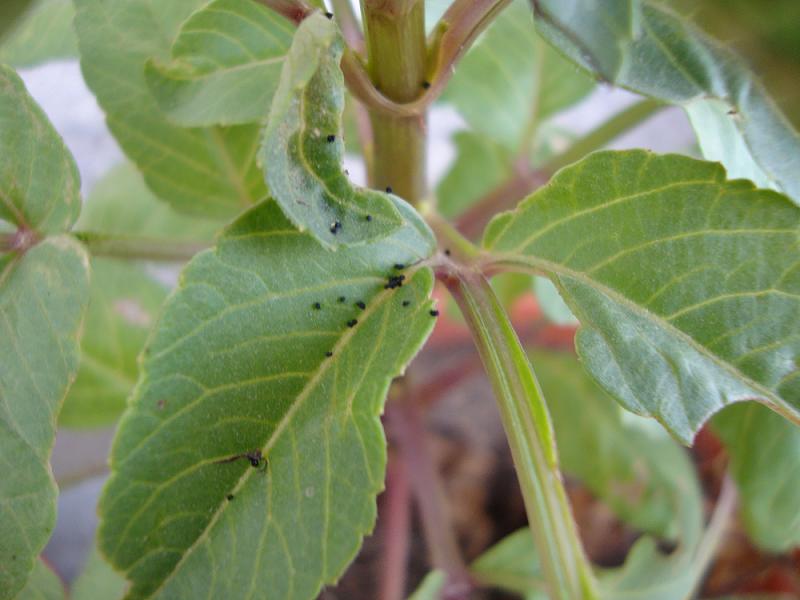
[(303, 147), (431, 586), (123, 305), (642, 46), (43, 294), (225, 65), (98, 580), (43, 584), (209, 172), (765, 463), (512, 564), (45, 33), (512, 80), (634, 470), (240, 364), (686, 285)]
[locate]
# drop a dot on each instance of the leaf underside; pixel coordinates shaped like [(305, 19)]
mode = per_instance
[(687, 286), (303, 147), (238, 363), (644, 47)]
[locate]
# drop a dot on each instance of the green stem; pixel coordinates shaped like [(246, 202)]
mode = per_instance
[(530, 435), (7, 242), (140, 248), (602, 135), (395, 36)]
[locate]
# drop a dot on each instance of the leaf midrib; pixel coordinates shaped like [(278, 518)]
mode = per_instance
[(536, 264), (378, 301)]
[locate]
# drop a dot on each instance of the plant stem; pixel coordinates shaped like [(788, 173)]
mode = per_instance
[(396, 529), (395, 35), (346, 18), (140, 248), (405, 424), (530, 435)]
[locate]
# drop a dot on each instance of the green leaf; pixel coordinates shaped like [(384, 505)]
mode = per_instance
[(303, 147), (44, 34), (43, 584), (210, 171), (687, 286), (225, 65), (552, 305), (511, 80), (644, 47), (10, 12), (43, 294), (481, 165), (431, 586), (512, 564), (39, 184), (121, 204), (764, 455), (97, 581), (123, 305), (239, 363), (638, 471)]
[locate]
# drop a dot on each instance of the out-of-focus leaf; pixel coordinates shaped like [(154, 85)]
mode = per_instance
[(303, 148), (43, 294), (10, 12), (123, 305), (45, 33), (551, 303), (431, 586), (225, 65), (121, 204), (512, 80), (98, 581), (203, 171), (512, 564), (239, 364), (687, 286), (764, 451), (43, 584), (643, 47)]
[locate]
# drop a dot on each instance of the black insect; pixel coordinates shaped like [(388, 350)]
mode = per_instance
[(394, 281), (331, 138), (388, 189), (426, 84), (360, 304), (434, 313), (406, 302), (336, 226), (329, 354), (254, 456), (368, 217), (329, 15), (447, 251), (342, 298), (317, 306), (352, 322), (230, 496), (399, 266)]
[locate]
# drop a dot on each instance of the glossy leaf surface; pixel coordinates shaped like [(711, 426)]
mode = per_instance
[(239, 364), (687, 285)]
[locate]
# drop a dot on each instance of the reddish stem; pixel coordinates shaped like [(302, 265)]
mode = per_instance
[(397, 526)]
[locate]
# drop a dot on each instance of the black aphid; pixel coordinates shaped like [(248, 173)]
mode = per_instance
[(394, 281), (352, 322), (388, 189), (329, 354), (368, 217), (335, 227), (434, 313), (399, 266), (406, 302), (329, 15), (230, 496), (342, 298), (254, 456), (447, 251), (331, 138), (360, 304), (426, 84), (317, 305)]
